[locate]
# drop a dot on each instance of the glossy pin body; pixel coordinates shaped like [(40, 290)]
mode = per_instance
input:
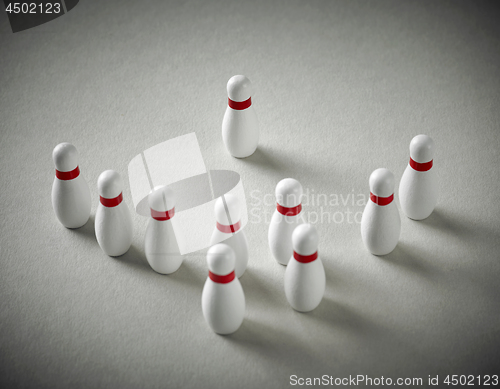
[(113, 223), (222, 300), (70, 191), (240, 127), (380, 223), (228, 230), (285, 218), (305, 275), (418, 189), (160, 243)]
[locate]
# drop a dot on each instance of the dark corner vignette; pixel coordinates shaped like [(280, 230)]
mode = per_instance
[(24, 15)]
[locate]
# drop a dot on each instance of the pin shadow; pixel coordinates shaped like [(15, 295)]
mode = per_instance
[(473, 235), (87, 230), (288, 165), (190, 273), (257, 290), (270, 343), (439, 220), (265, 159), (343, 317), (332, 276), (134, 257), (410, 258), (460, 227)]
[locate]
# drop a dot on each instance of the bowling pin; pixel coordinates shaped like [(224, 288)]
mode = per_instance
[(162, 250), (222, 299), (285, 218), (228, 230), (418, 189), (70, 192), (240, 127), (113, 224), (305, 276), (380, 223)]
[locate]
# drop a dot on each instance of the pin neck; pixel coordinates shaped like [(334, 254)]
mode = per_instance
[(421, 167), (230, 228), (289, 211), (221, 279), (305, 258), (239, 105), (65, 176), (381, 200), (110, 203), (163, 215)]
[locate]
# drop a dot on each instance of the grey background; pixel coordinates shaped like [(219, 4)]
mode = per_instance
[(340, 89)]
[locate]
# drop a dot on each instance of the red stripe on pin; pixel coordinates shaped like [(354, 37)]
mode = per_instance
[(239, 105), (111, 202), (162, 215), (289, 211), (221, 279), (421, 167), (305, 258), (65, 176), (228, 229), (381, 200)]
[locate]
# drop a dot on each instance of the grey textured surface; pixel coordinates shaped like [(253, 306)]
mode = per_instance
[(341, 88)]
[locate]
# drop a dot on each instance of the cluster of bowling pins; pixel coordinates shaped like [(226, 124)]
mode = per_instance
[(223, 301), (113, 223), (295, 245), (292, 243), (380, 224), (418, 191), (71, 202)]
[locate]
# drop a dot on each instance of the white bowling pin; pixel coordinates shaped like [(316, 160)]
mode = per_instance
[(285, 218), (162, 250), (222, 300), (228, 230), (418, 189), (305, 276), (113, 224), (70, 192), (380, 223), (240, 127)]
